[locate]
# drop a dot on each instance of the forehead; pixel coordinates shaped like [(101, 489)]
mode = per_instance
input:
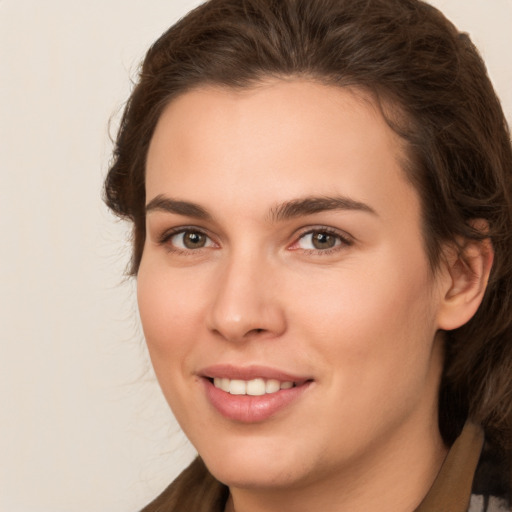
[(275, 141)]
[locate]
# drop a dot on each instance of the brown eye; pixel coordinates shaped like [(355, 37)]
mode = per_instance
[(190, 239), (194, 240), (321, 240)]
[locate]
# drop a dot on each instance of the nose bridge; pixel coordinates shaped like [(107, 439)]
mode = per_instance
[(245, 302)]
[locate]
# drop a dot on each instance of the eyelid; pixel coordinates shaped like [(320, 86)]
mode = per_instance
[(346, 239), (165, 237)]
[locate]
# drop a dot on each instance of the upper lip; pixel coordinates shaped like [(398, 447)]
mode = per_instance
[(249, 373)]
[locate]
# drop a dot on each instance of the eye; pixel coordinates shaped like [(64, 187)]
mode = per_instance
[(321, 240), (188, 239)]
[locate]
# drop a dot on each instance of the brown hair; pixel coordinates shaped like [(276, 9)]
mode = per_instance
[(410, 57)]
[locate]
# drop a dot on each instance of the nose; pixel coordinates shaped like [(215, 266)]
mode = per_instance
[(246, 301)]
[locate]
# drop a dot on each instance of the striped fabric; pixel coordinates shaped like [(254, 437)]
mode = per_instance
[(480, 503)]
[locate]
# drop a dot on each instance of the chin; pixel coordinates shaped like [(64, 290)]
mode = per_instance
[(264, 476), (256, 466)]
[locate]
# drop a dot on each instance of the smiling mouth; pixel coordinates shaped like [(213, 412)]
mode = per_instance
[(253, 387), (258, 397)]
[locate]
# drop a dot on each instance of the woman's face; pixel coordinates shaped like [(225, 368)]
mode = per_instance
[(284, 246)]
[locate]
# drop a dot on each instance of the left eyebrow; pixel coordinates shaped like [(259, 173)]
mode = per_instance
[(312, 205), (185, 208)]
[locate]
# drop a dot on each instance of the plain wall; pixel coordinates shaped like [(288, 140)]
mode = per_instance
[(83, 426)]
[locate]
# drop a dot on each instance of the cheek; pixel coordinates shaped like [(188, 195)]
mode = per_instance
[(373, 339), (170, 310), (376, 317), (170, 306)]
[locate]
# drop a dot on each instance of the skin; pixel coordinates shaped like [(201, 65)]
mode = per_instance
[(361, 319)]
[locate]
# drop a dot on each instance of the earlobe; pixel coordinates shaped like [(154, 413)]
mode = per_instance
[(466, 273)]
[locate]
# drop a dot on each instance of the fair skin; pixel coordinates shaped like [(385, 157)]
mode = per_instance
[(243, 272)]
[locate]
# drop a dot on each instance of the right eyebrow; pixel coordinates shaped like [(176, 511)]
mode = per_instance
[(311, 205), (166, 204)]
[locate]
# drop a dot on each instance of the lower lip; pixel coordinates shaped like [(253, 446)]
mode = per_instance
[(252, 409)]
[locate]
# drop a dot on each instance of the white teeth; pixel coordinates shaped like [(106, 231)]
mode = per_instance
[(238, 387), (254, 387), (272, 386), (224, 384), (221, 384)]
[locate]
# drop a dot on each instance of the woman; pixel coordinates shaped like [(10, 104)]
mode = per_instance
[(321, 197)]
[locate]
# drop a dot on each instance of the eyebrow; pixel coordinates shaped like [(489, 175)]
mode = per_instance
[(312, 205), (284, 211), (166, 204)]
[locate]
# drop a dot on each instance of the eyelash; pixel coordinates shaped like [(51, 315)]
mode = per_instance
[(166, 237), (345, 241)]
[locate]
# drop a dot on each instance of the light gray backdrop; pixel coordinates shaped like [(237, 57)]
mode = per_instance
[(83, 427)]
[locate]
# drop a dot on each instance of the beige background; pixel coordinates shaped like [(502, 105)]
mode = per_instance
[(82, 424)]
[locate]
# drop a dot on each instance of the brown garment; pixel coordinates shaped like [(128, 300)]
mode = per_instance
[(451, 490), (196, 490)]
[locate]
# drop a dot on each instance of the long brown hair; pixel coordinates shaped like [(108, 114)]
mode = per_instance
[(434, 90)]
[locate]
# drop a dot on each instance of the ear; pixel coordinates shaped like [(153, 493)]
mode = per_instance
[(464, 276)]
